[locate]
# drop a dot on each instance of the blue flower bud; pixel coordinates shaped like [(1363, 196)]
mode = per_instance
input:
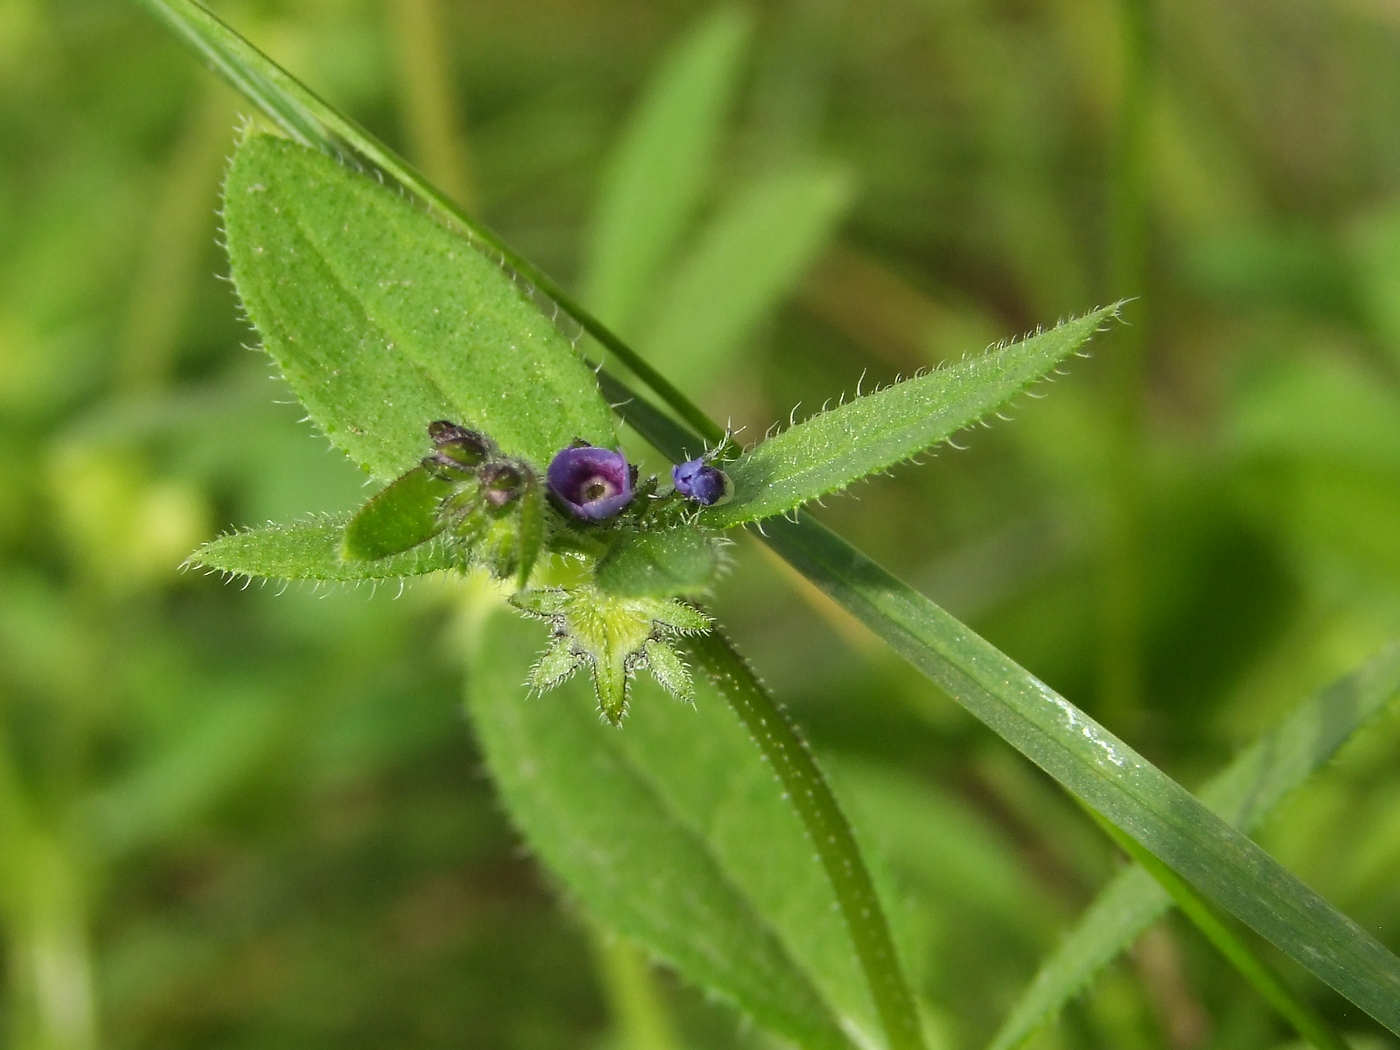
[(705, 484)]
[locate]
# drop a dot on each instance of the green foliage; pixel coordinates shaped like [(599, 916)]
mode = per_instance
[(1244, 794), (835, 448), (202, 787), (1104, 773), (671, 833), (382, 320), (313, 550), (397, 518), (657, 173), (660, 564), (748, 259)]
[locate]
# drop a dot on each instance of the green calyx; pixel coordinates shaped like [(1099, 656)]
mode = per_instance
[(615, 637)]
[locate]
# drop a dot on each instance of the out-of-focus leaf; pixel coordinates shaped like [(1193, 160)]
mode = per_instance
[(382, 320), (658, 171), (1243, 794), (311, 550), (750, 257), (833, 449), (670, 832), (187, 776)]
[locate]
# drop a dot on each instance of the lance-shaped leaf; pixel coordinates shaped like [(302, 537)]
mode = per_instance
[(383, 320), (311, 550), (398, 517), (833, 449)]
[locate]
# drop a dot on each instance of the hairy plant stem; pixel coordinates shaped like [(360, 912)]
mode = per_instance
[(810, 795), (1237, 952)]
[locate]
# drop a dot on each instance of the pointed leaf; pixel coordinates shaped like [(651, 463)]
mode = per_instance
[(310, 550), (382, 320), (872, 433), (398, 517)]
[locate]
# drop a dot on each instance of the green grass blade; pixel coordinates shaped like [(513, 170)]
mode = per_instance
[(1102, 771), (745, 262), (308, 119), (382, 320), (670, 831), (310, 550), (833, 449), (1243, 794), (657, 173), (1233, 947)]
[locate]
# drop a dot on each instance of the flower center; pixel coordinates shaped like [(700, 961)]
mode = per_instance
[(596, 488)]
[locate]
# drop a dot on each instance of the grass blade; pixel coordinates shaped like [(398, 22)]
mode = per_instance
[(1242, 794), (1102, 771), (1236, 951)]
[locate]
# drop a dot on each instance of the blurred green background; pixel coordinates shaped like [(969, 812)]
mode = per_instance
[(249, 819)]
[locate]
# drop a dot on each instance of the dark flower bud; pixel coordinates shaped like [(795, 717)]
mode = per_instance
[(701, 482), (591, 483), (502, 483), (456, 449)]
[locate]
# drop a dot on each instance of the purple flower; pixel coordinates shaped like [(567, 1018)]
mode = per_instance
[(703, 483), (592, 483)]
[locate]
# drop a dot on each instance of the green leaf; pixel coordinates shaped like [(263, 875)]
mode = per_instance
[(310, 550), (1102, 771), (382, 320), (398, 517), (671, 833), (660, 564), (658, 171), (746, 261), (1251, 787), (872, 433)]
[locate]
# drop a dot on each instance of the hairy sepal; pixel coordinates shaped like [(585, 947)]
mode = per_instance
[(614, 637)]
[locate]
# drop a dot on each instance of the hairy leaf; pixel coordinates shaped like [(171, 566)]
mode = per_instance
[(670, 831), (311, 550), (833, 449), (1243, 794), (660, 564), (400, 516), (382, 320)]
